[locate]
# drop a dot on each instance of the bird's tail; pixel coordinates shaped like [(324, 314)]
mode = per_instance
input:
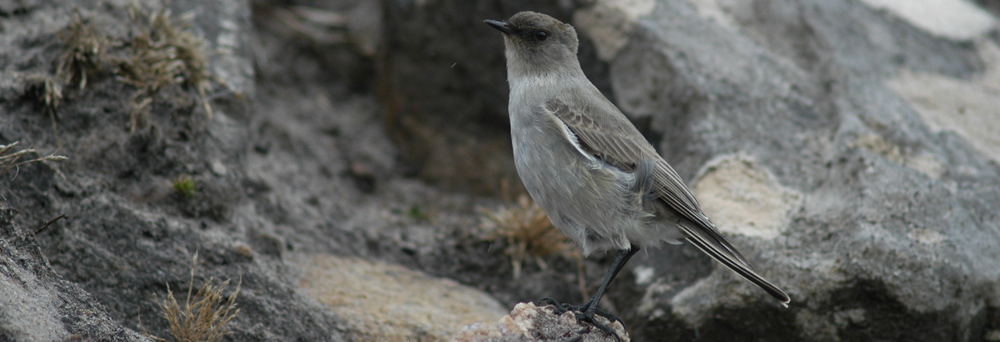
[(719, 248)]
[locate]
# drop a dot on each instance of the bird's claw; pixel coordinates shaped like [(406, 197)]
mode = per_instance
[(603, 327), (557, 307), (585, 314)]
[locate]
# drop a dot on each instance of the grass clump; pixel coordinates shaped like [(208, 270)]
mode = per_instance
[(205, 315), (11, 159), (527, 231), (47, 88), (184, 186), (162, 53), (84, 52)]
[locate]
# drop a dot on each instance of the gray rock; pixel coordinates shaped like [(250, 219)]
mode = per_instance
[(380, 301), (36, 304), (788, 102), (128, 236)]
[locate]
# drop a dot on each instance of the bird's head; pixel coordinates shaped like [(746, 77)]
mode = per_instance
[(538, 42)]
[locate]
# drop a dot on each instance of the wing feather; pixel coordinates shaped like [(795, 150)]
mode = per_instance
[(612, 138)]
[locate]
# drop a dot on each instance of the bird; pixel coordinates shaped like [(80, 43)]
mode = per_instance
[(597, 178)]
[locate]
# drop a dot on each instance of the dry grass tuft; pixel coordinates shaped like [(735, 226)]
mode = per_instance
[(47, 88), (10, 159), (527, 230), (205, 315), (163, 53), (84, 52)]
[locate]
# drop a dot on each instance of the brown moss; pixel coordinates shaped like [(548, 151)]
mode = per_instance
[(526, 230)]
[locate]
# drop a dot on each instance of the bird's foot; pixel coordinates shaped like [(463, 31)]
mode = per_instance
[(557, 307), (585, 314), (588, 316)]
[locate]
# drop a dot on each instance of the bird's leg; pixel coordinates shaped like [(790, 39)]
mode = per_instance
[(616, 266), (588, 310)]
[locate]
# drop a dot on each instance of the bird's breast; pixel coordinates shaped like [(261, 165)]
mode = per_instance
[(581, 194)]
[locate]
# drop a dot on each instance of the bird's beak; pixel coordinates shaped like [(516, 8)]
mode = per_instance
[(499, 25)]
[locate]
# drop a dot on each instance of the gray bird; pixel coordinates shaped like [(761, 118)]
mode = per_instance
[(600, 182)]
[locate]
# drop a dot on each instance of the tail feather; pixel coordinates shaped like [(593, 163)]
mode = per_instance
[(723, 252)]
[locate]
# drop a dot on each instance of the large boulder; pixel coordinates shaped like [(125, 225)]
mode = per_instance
[(800, 129)]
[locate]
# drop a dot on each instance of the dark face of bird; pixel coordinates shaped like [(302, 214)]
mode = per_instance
[(537, 43)]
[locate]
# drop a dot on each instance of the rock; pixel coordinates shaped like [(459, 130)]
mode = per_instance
[(336, 39), (958, 20), (129, 234), (961, 106), (36, 304), (744, 199), (854, 192), (528, 322), (391, 303)]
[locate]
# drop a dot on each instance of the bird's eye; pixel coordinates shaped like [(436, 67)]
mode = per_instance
[(541, 35)]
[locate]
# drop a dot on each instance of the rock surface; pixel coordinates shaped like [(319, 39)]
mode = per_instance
[(397, 304), (38, 304), (528, 322), (128, 234), (891, 225)]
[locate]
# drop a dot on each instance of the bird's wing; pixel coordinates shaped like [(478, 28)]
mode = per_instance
[(606, 139), (608, 135), (612, 138)]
